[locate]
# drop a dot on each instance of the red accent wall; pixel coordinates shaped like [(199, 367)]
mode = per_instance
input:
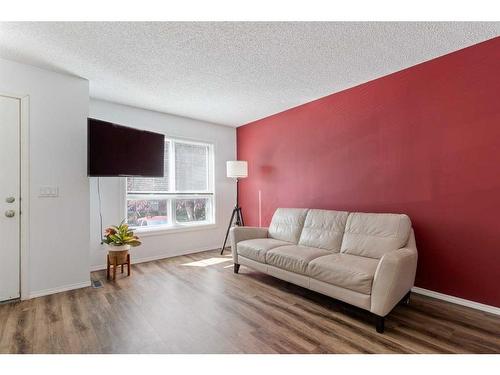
[(424, 141)]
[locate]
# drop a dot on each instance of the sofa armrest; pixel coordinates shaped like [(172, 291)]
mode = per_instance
[(394, 277), (238, 234)]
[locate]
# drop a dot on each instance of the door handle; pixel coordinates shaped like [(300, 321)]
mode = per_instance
[(10, 199), (10, 213)]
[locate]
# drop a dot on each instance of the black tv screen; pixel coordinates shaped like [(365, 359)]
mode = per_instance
[(115, 150)]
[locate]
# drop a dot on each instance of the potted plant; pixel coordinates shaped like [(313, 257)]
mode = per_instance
[(119, 240)]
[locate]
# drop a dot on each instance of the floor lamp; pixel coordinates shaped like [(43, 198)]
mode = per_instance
[(235, 169)]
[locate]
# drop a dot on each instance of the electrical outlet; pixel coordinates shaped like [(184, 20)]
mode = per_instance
[(48, 192)]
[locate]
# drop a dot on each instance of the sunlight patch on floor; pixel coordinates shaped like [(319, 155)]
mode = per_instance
[(207, 262)]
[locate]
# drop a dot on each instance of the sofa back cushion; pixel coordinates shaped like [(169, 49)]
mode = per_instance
[(373, 235), (287, 224), (324, 229)]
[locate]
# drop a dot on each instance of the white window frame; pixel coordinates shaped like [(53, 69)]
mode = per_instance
[(172, 225)]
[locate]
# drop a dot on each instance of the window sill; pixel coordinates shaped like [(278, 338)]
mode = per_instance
[(158, 231)]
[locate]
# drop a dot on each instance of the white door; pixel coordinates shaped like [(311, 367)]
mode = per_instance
[(10, 188)]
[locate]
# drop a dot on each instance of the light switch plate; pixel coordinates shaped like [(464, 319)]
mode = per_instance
[(48, 192)]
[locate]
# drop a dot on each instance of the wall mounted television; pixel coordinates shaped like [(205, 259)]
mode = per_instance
[(115, 150)]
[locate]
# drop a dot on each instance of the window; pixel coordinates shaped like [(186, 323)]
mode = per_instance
[(183, 197)]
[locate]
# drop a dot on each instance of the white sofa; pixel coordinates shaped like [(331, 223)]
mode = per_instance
[(367, 260)]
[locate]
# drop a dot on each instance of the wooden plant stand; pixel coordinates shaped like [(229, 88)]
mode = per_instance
[(115, 262)]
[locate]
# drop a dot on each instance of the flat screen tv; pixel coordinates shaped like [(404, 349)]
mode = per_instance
[(115, 150)]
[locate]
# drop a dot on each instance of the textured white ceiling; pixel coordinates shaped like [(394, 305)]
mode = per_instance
[(232, 72)]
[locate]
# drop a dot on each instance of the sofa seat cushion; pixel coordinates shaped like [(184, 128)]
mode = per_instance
[(293, 258), (348, 271), (256, 249)]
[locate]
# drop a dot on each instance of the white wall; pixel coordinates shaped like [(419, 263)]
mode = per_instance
[(166, 244), (58, 252)]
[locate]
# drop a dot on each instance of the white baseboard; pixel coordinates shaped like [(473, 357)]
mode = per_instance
[(456, 300), (64, 288), (100, 267)]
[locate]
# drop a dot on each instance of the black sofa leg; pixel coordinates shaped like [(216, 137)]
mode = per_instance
[(236, 268), (380, 324), (406, 298)]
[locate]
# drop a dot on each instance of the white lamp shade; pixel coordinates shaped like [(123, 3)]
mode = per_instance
[(237, 169)]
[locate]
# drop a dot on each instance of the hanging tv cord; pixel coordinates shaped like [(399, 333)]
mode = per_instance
[(100, 210)]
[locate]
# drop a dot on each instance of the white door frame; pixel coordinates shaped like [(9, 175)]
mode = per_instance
[(25, 192)]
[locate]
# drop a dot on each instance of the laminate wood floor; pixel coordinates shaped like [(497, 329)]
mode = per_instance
[(195, 304)]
